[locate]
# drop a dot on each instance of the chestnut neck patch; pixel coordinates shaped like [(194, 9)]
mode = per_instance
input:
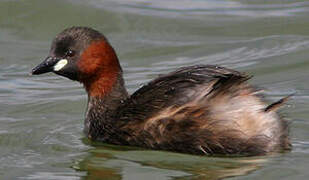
[(99, 68)]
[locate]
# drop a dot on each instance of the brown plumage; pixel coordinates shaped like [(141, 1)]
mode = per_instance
[(201, 109)]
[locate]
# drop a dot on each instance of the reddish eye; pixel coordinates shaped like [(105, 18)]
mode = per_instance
[(69, 53)]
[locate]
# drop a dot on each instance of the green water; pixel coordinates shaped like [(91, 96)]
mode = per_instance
[(41, 117)]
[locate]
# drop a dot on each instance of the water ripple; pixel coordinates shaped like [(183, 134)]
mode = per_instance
[(208, 7)]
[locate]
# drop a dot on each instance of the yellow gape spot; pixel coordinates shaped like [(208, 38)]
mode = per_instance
[(60, 64)]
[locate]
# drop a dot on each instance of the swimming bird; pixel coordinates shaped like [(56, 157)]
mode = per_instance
[(200, 109)]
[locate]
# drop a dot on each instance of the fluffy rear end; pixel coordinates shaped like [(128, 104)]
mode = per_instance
[(240, 122), (224, 118)]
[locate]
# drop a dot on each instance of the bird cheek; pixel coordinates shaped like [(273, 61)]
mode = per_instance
[(88, 66)]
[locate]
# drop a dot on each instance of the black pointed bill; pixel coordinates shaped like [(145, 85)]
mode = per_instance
[(48, 65)]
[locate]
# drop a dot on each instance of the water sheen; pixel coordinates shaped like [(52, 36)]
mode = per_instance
[(41, 118)]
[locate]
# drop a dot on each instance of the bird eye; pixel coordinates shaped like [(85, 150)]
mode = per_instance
[(69, 53)]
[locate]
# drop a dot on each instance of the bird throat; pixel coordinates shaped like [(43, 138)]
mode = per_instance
[(102, 108)]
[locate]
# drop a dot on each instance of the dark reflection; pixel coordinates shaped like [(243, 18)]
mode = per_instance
[(118, 162)]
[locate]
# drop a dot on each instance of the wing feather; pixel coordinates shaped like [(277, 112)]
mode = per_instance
[(175, 89)]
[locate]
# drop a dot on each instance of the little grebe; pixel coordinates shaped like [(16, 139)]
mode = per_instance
[(200, 109)]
